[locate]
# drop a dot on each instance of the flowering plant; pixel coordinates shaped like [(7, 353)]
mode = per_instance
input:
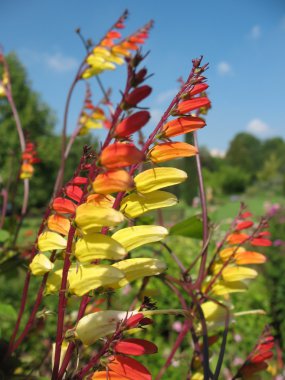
[(84, 247)]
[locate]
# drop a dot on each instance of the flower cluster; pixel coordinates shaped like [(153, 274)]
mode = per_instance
[(29, 158), (108, 53)]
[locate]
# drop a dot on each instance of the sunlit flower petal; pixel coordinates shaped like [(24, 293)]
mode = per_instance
[(112, 182), (157, 178), (133, 237), (119, 155), (48, 241), (181, 126), (134, 205), (233, 274), (41, 265), (59, 224), (171, 150)]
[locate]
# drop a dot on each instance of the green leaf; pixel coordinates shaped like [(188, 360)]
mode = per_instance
[(191, 227), (4, 235), (7, 312)]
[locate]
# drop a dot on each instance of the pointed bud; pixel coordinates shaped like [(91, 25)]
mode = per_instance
[(137, 95), (198, 88), (171, 150), (112, 182), (132, 124)]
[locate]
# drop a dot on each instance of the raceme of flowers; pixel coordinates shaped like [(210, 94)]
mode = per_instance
[(89, 219)]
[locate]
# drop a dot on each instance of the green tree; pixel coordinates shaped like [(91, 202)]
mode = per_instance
[(245, 152)]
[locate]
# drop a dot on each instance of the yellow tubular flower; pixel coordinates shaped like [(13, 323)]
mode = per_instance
[(133, 237), (135, 205), (157, 178), (41, 265), (89, 217), (85, 278), (138, 268), (232, 274), (97, 325), (96, 246), (214, 314), (222, 288), (226, 253), (48, 241), (53, 282), (101, 200)]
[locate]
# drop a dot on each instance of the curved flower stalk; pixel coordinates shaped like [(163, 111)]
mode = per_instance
[(26, 170)]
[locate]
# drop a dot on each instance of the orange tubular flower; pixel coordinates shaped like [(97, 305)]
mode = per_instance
[(119, 155), (132, 124), (63, 206), (181, 126), (101, 200), (113, 182), (129, 367), (169, 151), (59, 224), (137, 95), (193, 104)]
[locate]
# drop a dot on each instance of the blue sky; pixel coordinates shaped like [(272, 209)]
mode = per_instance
[(243, 41)]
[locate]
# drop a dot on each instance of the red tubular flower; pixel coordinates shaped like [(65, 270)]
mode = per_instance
[(261, 242), (132, 124), (198, 88), (134, 320), (129, 367), (113, 34), (181, 126), (63, 206), (79, 181), (119, 155), (243, 225), (193, 104), (136, 347), (137, 95), (74, 192)]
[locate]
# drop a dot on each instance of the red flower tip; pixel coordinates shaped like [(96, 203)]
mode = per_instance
[(79, 181), (63, 206), (192, 104), (198, 88), (261, 242), (246, 214), (74, 192), (129, 367), (244, 225), (136, 347), (132, 124), (137, 95), (134, 320)]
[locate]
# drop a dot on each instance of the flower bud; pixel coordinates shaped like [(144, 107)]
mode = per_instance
[(137, 95), (119, 155), (132, 124), (112, 182), (169, 151), (74, 192), (198, 88)]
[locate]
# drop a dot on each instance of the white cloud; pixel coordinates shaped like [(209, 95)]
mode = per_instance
[(224, 68), (255, 32), (215, 152), (57, 62), (166, 95), (258, 127)]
